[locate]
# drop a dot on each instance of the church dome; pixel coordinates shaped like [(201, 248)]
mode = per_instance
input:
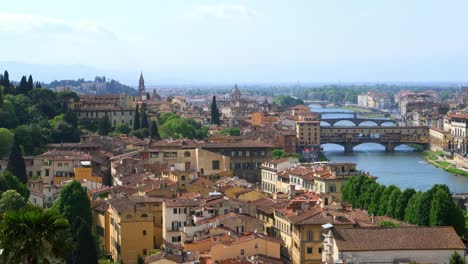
[(235, 93)]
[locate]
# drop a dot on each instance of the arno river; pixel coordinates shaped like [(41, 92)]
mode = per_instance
[(404, 168)]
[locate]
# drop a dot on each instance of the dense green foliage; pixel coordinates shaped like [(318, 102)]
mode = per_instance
[(11, 200), (434, 207), (455, 258), (230, 131), (280, 154), (16, 163), (10, 182), (74, 205), (86, 248), (154, 132), (104, 126), (34, 235), (6, 141), (174, 126), (287, 100), (136, 121), (38, 116), (215, 112)]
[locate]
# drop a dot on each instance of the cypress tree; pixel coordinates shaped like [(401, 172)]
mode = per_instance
[(6, 83), (85, 250), (23, 86), (148, 96), (214, 112), (74, 205), (71, 118), (1, 95), (154, 133), (16, 163), (144, 117), (136, 122), (105, 126), (30, 85)]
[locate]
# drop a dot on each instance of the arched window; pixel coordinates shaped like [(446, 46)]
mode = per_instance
[(144, 232), (144, 215), (187, 154)]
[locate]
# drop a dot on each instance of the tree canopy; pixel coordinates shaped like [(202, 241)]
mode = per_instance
[(433, 207)]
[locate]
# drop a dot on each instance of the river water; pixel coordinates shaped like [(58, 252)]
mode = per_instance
[(403, 168)]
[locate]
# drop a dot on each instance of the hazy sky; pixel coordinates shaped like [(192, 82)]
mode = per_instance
[(243, 41)]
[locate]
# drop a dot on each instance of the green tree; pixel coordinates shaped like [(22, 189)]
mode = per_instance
[(215, 113), (375, 201), (73, 202), (23, 86), (136, 121), (148, 96), (144, 117), (16, 163), (71, 118), (230, 131), (412, 209), (123, 129), (392, 203), (384, 199), (388, 224), (11, 200), (85, 250), (1, 94), (29, 85), (455, 258), (441, 206), (166, 117), (177, 128), (279, 154), (64, 132), (9, 182), (105, 125), (34, 235), (154, 133), (6, 142), (5, 82), (402, 203), (141, 133)]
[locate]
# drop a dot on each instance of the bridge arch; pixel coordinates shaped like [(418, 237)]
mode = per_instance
[(370, 120)]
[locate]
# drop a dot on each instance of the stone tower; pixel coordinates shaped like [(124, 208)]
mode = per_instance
[(141, 87)]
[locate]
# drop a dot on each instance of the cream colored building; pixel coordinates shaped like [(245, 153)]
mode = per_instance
[(197, 159), (269, 174), (119, 108), (308, 131)]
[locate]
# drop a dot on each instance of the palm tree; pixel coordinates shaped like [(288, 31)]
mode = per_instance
[(34, 235)]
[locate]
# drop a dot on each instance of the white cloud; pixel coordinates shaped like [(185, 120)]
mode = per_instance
[(223, 11), (24, 23)]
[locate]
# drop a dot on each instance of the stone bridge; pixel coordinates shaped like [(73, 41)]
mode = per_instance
[(355, 118), (357, 121), (390, 137)]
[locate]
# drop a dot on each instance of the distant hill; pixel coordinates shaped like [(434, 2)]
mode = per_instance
[(100, 85)]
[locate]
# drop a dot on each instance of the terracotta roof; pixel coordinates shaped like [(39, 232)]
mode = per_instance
[(183, 202), (398, 238), (277, 161)]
